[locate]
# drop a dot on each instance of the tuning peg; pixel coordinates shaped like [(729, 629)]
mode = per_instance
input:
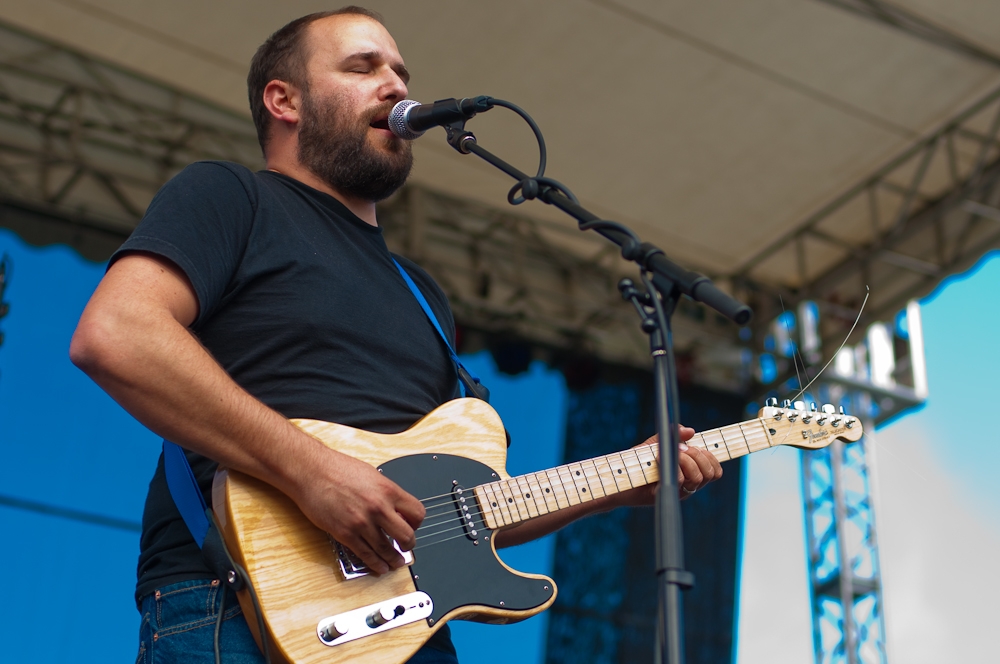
[(836, 420), (829, 409), (800, 405), (771, 402), (786, 404), (812, 406)]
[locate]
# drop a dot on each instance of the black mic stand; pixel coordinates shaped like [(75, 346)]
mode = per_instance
[(665, 283)]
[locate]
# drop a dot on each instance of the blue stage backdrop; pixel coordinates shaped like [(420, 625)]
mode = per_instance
[(606, 609)]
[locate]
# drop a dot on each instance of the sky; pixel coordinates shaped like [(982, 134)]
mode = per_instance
[(936, 499), (67, 446)]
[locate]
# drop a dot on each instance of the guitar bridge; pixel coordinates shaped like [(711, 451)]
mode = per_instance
[(352, 567)]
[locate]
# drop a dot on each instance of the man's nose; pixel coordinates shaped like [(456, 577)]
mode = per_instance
[(394, 88)]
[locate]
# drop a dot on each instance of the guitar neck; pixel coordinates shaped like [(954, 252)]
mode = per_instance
[(510, 501)]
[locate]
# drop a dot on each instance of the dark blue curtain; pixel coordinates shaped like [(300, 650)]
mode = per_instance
[(606, 609)]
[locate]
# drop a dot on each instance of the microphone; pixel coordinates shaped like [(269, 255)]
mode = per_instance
[(409, 119)]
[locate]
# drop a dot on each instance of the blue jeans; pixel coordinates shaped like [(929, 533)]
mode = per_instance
[(178, 626)]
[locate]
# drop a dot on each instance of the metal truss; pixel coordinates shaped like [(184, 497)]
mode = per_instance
[(511, 275), (928, 212), (842, 553), (88, 142), (913, 24), (84, 146)]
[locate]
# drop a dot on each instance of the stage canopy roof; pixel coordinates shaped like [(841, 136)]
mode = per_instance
[(787, 147)]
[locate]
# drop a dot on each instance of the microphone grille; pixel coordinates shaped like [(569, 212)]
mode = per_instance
[(397, 120)]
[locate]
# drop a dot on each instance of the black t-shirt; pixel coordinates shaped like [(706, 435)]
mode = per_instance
[(301, 304)]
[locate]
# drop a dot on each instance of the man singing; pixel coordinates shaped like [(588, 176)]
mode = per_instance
[(244, 299)]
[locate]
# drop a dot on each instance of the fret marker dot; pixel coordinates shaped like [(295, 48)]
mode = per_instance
[(547, 491), (619, 471), (494, 504), (510, 500), (527, 495), (716, 444), (649, 463), (584, 490), (578, 473)]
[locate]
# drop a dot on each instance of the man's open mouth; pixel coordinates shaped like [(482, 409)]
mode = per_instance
[(381, 123)]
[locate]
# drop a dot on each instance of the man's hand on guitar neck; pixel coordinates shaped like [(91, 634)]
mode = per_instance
[(696, 468)]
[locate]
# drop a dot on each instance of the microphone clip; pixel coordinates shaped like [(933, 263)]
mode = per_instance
[(459, 137)]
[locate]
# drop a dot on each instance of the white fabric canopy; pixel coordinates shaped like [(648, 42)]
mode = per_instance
[(710, 126)]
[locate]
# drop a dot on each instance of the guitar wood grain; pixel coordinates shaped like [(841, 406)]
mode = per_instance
[(292, 565)]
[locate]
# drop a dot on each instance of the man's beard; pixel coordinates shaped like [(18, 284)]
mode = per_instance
[(337, 150)]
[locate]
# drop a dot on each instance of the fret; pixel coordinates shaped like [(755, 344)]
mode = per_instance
[(488, 504), (755, 435), (524, 495), (647, 457), (557, 487), (634, 468), (580, 482), (735, 442), (505, 515), (637, 467), (545, 486), (509, 497), (698, 441), (536, 493), (506, 502), (569, 486), (604, 475), (518, 494), (716, 444), (618, 467)]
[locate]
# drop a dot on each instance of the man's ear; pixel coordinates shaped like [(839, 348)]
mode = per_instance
[(283, 101)]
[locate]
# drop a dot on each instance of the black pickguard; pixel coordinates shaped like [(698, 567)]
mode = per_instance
[(455, 572)]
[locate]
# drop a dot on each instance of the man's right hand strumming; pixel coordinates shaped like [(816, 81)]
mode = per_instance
[(360, 507), (133, 340)]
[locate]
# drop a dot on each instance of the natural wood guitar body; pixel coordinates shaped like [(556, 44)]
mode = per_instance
[(291, 562)]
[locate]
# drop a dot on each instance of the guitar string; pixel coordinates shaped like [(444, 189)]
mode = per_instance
[(448, 503), (477, 510), (450, 495), (510, 484), (513, 488)]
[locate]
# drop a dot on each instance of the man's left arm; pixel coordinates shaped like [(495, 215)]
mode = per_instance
[(696, 469)]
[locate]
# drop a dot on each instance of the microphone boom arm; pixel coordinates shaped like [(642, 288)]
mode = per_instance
[(667, 275)]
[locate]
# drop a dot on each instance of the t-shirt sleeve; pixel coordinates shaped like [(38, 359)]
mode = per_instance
[(200, 220)]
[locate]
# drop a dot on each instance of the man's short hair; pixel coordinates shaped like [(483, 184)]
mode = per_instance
[(283, 57)]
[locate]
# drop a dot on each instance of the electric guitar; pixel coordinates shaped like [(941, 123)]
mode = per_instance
[(320, 604)]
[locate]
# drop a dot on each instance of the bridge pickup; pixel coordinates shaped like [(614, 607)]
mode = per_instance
[(374, 618), (352, 567)]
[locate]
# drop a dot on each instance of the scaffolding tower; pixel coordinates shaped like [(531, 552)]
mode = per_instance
[(839, 492)]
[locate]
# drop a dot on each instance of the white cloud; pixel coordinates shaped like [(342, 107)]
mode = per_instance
[(775, 624), (939, 550), (938, 543)]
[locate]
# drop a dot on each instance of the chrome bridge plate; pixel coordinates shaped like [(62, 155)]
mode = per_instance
[(352, 567), (374, 618)]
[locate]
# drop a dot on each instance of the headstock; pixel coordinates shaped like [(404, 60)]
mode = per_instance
[(809, 429)]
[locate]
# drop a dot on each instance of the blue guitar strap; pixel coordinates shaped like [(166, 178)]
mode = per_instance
[(187, 495), (468, 382)]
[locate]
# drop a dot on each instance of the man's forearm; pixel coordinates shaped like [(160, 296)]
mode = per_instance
[(151, 365), (133, 341)]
